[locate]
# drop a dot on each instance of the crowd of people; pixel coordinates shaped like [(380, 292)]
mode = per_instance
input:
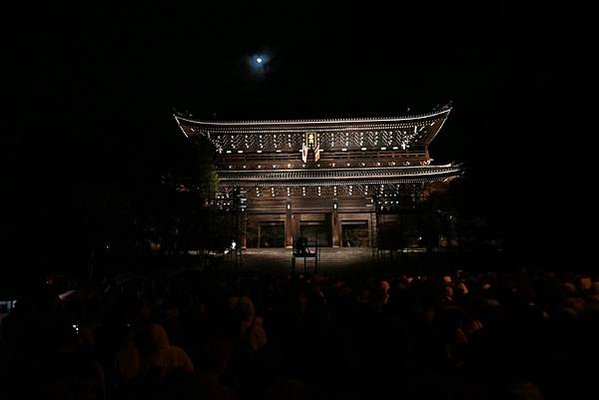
[(236, 335)]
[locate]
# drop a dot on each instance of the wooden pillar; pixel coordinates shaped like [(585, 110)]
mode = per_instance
[(336, 228), (370, 235), (296, 218), (289, 228), (259, 233), (373, 228), (243, 229)]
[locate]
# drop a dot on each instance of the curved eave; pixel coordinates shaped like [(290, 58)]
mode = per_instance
[(432, 122), (324, 177), (313, 122), (352, 182)]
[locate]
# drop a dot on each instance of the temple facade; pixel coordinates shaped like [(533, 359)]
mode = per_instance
[(336, 182)]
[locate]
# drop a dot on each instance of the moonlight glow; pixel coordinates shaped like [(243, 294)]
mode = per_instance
[(258, 63)]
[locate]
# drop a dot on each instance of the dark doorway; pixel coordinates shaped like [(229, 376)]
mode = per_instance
[(317, 232), (355, 234), (272, 234)]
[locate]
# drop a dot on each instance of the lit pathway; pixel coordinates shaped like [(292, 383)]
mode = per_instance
[(331, 259)]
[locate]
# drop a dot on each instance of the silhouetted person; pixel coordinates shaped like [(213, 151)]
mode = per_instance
[(301, 246)]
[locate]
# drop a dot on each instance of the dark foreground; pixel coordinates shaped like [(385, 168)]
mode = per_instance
[(250, 332)]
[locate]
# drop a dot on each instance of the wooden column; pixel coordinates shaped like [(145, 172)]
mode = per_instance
[(296, 218), (289, 228), (243, 229), (336, 226), (372, 229)]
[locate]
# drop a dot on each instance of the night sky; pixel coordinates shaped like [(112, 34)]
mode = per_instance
[(93, 91)]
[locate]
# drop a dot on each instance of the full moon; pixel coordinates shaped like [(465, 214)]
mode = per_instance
[(258, 63)]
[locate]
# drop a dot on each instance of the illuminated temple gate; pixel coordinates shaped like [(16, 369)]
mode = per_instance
[(335, 181)]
